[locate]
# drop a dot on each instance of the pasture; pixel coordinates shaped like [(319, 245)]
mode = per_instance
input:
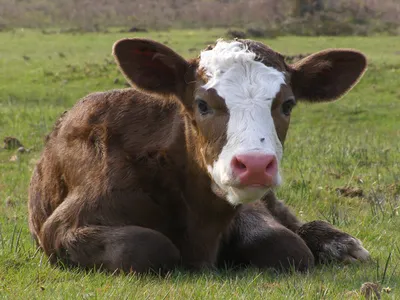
[(341, 164)]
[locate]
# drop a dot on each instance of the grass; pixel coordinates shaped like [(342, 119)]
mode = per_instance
[(350, 143)]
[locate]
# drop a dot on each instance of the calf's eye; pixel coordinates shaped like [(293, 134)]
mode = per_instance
[(287, 106), (203, 107)]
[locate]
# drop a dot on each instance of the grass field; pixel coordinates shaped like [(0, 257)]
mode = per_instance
[(352, 143)]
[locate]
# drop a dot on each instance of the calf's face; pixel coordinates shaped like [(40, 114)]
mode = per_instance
[(239, 106), (239, 95)]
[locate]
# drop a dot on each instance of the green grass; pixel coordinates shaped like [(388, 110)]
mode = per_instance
[(354, 142)]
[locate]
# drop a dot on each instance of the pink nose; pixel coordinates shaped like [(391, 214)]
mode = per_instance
[(255, 169)]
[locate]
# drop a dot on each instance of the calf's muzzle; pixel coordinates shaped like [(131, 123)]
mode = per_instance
[(255, 169)]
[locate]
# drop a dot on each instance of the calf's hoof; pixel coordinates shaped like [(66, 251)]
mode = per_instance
[(330, 244)]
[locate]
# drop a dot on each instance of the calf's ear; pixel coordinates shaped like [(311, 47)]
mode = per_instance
[(152, 67), (327, 75)]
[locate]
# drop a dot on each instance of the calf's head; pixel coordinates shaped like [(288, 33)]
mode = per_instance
[(239, 95)]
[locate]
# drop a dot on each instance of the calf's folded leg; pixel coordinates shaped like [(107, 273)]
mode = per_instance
[(127, 248), (256, 239), (326, 242)]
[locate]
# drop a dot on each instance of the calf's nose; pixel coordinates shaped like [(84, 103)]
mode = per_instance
[(255, 169)]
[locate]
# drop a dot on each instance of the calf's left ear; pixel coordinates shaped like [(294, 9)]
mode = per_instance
[(152, 67), (327, 75)]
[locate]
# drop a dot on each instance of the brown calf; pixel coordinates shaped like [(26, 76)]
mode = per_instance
[(172, 172)]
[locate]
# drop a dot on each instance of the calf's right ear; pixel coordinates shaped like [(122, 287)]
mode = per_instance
[(152, 67)]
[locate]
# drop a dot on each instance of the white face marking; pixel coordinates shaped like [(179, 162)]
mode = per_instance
[(248, 87)]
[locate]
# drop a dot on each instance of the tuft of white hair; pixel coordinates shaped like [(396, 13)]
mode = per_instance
[(218, 60)]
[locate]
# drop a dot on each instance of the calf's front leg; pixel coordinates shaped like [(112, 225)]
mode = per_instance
[(255, 238), (326, 242)]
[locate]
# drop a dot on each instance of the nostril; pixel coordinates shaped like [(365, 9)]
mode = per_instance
[(238, 165), (241, 165), (271, 166)]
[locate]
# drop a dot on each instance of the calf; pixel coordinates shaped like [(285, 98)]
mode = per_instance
[(180, 170)]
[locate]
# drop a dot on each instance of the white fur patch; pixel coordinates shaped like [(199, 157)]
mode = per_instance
[(248, 87)]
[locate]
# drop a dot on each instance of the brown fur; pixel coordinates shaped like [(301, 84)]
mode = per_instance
[(122, 181)]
